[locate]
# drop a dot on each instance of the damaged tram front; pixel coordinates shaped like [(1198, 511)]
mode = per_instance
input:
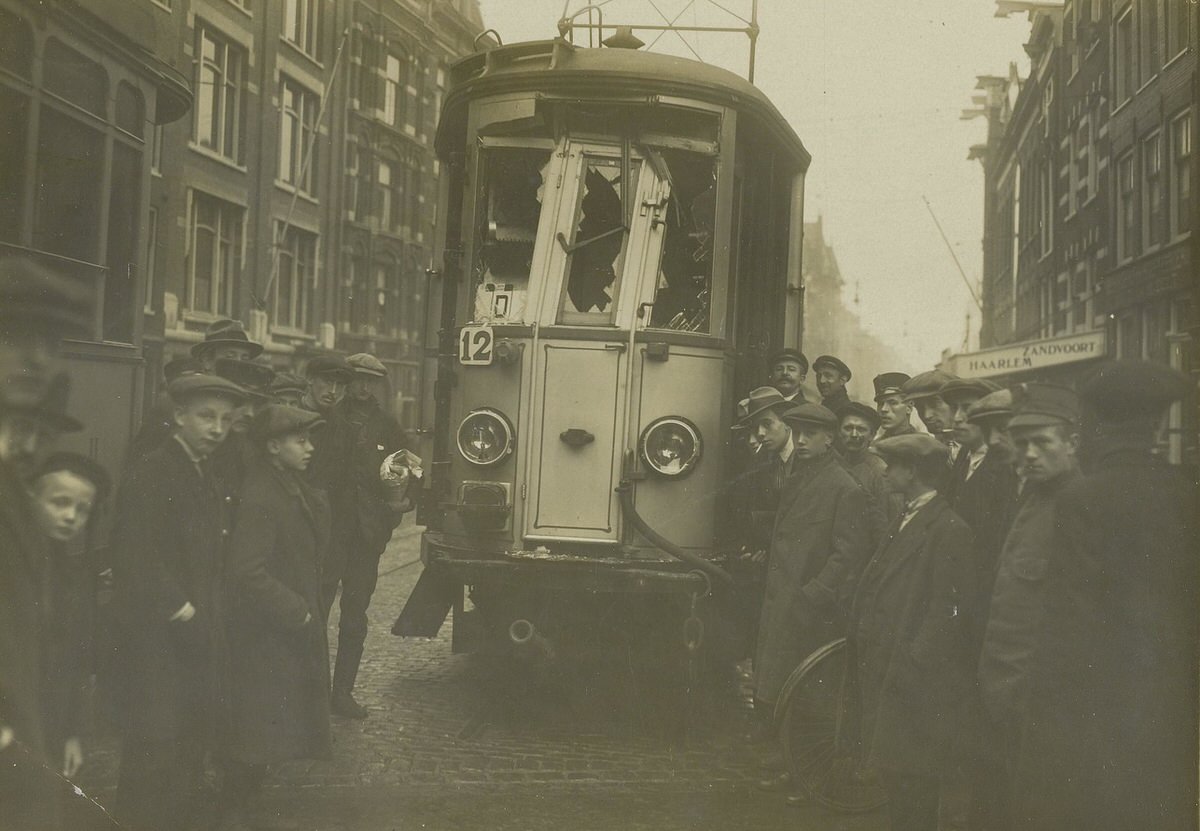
[(623, 237)]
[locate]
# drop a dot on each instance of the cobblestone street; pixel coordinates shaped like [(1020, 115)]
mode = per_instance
[(460, 742)]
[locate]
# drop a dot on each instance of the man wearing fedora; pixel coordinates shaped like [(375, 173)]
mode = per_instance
[(1110, 737), (168, 543), (820, 540), (832, 377), (225, 338), (375, 434), (789, 367), (895, 411)]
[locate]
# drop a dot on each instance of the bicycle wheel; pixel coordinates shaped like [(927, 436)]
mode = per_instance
[(812, 721)]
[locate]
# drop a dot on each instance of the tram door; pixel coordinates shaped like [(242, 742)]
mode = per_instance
[(604, 229)]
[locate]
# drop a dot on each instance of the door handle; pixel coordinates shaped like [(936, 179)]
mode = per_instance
[(576, 437)]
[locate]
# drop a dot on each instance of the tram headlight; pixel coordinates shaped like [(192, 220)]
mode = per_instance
[(485, 436), (671, 446)]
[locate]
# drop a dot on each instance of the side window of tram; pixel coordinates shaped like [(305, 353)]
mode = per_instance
[(509, 210), (682, 294), (597, 245)]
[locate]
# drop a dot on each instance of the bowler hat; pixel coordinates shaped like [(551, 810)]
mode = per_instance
[(282, 419), (330, 366), (957, 389), (364, 363), (249, 375), (1043, 405), (925, 384), (226, 332), (911, 447), (189, 387), (831, 361), (857, 408), (810, 414), (760, 400), (1127, 390), (36, 298), (889, 383), (996, 404), (790, 354), (51, 411)]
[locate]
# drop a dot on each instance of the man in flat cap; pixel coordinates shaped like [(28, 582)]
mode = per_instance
[(38, 309), (832, 377), (279, 656), (895, 411), (923, 392), (991, 414), (225, 338), (857, 424), (1110, 741), (789, 368), (912, 662), (288, 388), (168, 543), (375, 435), (820, 540)]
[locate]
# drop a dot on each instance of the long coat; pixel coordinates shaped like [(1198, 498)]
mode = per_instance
[(912, 660), (375, 435), (167, 545), (1111, 737), (279, 664), (819, 543)]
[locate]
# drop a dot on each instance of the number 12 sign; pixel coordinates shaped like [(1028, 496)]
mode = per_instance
[(475, 346)]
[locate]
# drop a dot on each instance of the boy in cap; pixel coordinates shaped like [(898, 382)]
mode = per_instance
[(922, 391), (789, 368), (375, 435), (911, 658), (168, 543), (1045, 434), (991, 414), (832, 377), (895, 412), (159, 422), (279, 664), (1110, 741), (287, 388), (820, 539)]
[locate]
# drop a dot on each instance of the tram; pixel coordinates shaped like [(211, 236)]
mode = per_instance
[(622, 252)]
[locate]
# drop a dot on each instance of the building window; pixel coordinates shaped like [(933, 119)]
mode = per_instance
[(1176, 20), (1181, 174), (1155, 222), (383, 297), (1070, 38), (218, 119), (1150, 46), (1044, 209), (302, 24), (413, 110), (360, 294), (214, 260), (1126, 208), (151, 259), (1123, 72), (74, 78), (295, 277), (1084, 170), (156, 148), (297, 135), (1129, 341), (394, 89)]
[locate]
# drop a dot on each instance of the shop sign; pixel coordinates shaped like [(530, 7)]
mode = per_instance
[(1030, 356)]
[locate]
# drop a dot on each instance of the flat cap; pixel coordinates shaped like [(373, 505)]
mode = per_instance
[(226, 332), (34, 297), (857, 408), (287, 382), (957, 389), (282, 419), (759, 400), (925, 385), (889, 383), (789, 354), (366, 364), (51, 411), (250, 375), (811, 414), (1043, 405), (911, 446), (189, 387), (1127, 390), (996, 404), (831, 361), (176, 367), (333, 366)]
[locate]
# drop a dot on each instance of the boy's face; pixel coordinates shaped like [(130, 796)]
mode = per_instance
[(293, 451), (64, 501)]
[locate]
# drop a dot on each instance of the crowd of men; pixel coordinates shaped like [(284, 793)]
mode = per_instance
[(250, 501), (1017, 584)]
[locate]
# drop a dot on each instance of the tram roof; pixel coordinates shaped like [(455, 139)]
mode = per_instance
[(556, 67)]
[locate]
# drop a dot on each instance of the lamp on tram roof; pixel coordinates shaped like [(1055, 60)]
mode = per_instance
[(623, 38)]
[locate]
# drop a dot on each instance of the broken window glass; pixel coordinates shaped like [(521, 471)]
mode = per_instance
[(683, 291), (597, 248), (510, 206)]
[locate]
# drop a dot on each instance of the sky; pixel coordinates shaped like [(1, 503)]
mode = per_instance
[(875, 90)]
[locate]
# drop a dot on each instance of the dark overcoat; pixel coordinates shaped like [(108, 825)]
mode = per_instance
[(332, 471), (375, 434), (1111, 737), (279, 664), (167, 544), (819, 543), (910, 642)]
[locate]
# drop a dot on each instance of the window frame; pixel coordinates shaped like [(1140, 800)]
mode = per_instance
[(1179, 220), (299, 281), (1155, 229), (1124, 65), (221, 93), (301, 23), (223, 286), (297, 167), (1126, 206)]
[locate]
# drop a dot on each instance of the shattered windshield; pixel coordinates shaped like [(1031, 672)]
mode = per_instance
[(682, 296)]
